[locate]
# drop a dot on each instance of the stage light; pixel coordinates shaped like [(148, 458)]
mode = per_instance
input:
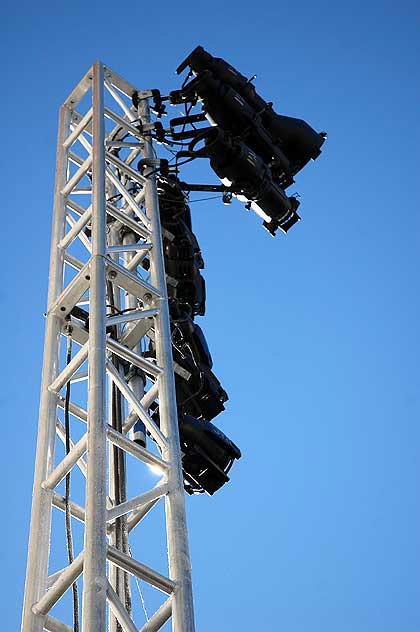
[(208, 455), (247, 175), (297, 139), (198, 391), (227, 109)]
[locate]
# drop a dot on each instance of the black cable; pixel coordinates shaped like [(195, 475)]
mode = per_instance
[(121, 311), (184, 162), (69, 535), (213, 197), (189, 74), (170, 151), (177, 142), (187, 114), (191, 355)]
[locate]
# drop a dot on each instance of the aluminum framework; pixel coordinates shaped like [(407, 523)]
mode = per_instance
[(106, 223)]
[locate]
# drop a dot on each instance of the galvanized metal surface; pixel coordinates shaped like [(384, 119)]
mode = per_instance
[(85, 259)]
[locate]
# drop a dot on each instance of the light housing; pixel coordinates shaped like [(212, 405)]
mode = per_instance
[(234, 162), (207, 455), (227, 109), (183, 259), (298, 140)]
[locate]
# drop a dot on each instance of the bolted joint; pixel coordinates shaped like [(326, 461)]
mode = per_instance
[(147, 298)]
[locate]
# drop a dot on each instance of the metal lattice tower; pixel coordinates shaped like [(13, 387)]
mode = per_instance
[(106, 222)]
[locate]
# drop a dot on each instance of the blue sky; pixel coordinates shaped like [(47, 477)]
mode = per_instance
[(313, 335)]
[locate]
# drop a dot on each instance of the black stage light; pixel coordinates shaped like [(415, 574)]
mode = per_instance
[(251, 180), (198, 391), (182, 254), (298, 140), (173, 204), (207, 455), (200, 60), (183, 262), (227, 109), (189, 290), (187, 336), (180, 242)]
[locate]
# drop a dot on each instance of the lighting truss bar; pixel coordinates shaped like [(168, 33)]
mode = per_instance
[(138, 515), (118, 439), (127, 197), (135, 315), (66, 464), (61, 432), (159, 618), (78, 129), (54, 625), (135, 175), (119, 610), (57, 590), (126, 220), (140, 570), (129, 505), (76, 510), (78, 226)]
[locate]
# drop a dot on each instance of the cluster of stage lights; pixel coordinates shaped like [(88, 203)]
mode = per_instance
[(207, 453), (254, 151)]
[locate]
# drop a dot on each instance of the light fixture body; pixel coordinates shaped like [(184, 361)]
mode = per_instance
[(207, 455), (283, 144)]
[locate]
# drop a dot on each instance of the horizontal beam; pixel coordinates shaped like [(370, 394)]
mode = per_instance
[(126, 317), (74, 409), (54, 625), (123, 123), (73, 261), (130, 282), (79, 91), (127, 354), (76, 510), (122, 166), (132, 566), (128, 248), (132, 448)]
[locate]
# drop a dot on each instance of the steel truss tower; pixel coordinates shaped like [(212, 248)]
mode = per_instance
[(106, 223)]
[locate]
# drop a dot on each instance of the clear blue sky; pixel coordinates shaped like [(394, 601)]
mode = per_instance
[(314, 335)]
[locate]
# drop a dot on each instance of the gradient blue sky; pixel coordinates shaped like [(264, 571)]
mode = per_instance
[(314, 335)]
